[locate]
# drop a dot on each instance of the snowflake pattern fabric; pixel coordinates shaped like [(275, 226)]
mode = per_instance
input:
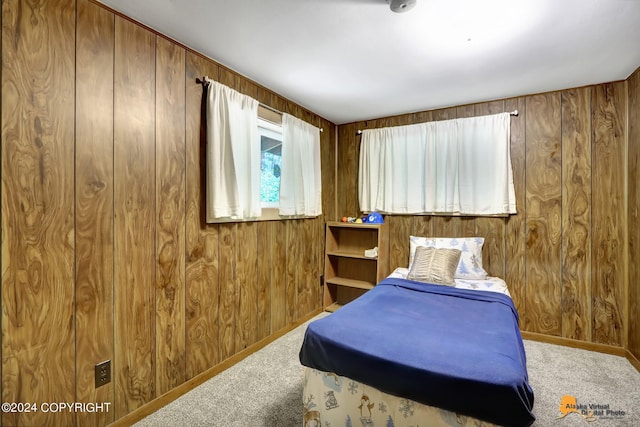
[(356, 404)]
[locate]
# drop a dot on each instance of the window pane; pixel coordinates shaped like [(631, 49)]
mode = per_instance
[(270, 162)]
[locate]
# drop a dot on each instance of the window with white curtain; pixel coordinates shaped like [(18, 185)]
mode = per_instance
[(233, 154), (301, 182), (254, 164), (460, 166)]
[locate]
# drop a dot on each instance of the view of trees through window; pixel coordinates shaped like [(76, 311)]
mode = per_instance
[(270, 163)]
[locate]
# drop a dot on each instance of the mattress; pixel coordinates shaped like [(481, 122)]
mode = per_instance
[(332, 400), (452, 348)]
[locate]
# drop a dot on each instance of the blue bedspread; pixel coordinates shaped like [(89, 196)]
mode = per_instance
[(456, 349)]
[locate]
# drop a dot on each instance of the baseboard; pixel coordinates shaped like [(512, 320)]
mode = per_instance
[(634, 360), (194, 382), (568, 342), (584, 345)]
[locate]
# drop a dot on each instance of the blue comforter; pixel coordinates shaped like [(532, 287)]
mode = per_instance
[(456, 349)]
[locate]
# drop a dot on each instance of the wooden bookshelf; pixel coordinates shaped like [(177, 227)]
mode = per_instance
[(348, 272)]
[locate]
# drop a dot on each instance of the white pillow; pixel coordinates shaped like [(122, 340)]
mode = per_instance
[(470, 265)]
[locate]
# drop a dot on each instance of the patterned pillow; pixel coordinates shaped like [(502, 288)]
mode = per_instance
[(470, 266), (433, 265)]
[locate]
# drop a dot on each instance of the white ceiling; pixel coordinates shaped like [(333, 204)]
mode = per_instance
[(350, 60)]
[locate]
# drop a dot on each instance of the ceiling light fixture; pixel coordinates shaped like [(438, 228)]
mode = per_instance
[(400, 6)]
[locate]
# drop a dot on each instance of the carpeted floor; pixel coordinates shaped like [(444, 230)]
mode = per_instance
[(265, 389)]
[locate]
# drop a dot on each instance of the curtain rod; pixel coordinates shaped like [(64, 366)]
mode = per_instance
[(512, 113), (205, 82)]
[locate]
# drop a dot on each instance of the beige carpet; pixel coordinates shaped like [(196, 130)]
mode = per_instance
[(265, 389)]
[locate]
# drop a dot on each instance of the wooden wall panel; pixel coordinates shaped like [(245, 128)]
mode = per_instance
[(422, 226), (576, 214), (400, 227), (265, 255), (293, 246), (318, 261), (515, 226), (306, 282), (134, 205), (543, 215), (201, 269), (170, 214), (280, 255), (609, 213), (328, 165), (228, 236), (38, 253), (94, 205), (348, 146), (247, 286), (633, 89)]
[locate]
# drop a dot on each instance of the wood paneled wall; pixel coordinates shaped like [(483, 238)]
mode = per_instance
[(563, 254), (105, 251), (633, 84), (38, 227)]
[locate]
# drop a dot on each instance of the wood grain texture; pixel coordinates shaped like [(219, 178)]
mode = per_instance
[(543, 216), (515, 225), (400, 228), (466, 111), (576, 214), (170, 216), (633, 89), (444, 114), (94, 205), (634, 223), (319, 260), (280, 255), (201, 266), (608, 214), (265, 255), (293, 245), (134, 225), (306, 283), (422, 226), (247, 290), (141, 285), (328, 165), (348, 176), (228, 287), (37, 151)]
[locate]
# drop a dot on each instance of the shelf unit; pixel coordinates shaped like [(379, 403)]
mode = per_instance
[(348, 273)]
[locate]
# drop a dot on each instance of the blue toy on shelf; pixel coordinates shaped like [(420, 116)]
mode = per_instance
[(374, 218)]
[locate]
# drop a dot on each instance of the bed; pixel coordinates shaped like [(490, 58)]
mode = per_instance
[(410, 353)]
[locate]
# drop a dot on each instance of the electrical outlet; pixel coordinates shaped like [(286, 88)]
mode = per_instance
[(103, 373)]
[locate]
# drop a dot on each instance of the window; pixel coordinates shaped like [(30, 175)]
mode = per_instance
[(245, 146), (270, 162)]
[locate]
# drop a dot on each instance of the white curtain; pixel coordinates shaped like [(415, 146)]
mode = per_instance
[(233, 154), (300, 180), (460, 166)]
